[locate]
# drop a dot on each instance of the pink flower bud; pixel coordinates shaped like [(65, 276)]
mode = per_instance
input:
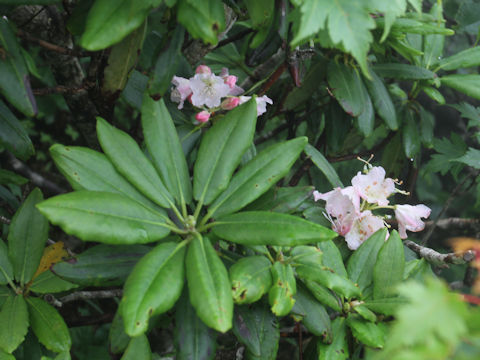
[(230, 80), (203, 116), (203, 69), (230, 103)]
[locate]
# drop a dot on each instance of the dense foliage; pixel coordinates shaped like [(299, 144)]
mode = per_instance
[(198, 179)]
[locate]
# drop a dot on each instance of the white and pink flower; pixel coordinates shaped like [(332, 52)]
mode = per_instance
[(409, 218), (373, 187), (362, 228), (181, 91)]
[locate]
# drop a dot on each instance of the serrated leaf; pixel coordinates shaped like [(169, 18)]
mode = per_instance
[(105, 217), (193, 339), (165, 149), (382, 101), (153, 287), (467, 84), (388, 270), (48, 325), (13, 135), (221, 150), (403, 71), (27, 238), (390, 10), (257, 328), (101, 265), (14, 320), (14, 81), (323, 165), (138, 348), (265, 228), (250, 278), (471, 158), (87, 169), (209, 285), (257, 176), (130, 161)]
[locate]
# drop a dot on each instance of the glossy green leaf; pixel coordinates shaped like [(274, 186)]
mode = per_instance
[(360, 265), (121, 61), (221, 150), (382, 101), (323, 165), (153, 287), (314, 316), (117, 337), (365, 312), (366, 332), (165, 149), (138, 348), (388, 270), (303, 255), (466, 83), (434, 94), (411, 134), (332, 257), (346, 84), (280, 295), (257, 176), (463, 59), (338, 349), (204, 20), (101, 265), (209, 285), (193, 339), (266, 228), (323, 295), (366, 120), (27, 236), (109, 23), (131, 162), (47, 282), (433, 44), (330, 280), (6, 268), (13, 135), (14, 82), (5, 292), (403, 71), (87, 169), (257, 328), (14, 320), (250, 278), (104, 217), (48, 325), (285, 200)]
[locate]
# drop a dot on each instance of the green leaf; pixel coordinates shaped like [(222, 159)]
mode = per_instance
[(104, 217), (257, 176), (403, 71), (388, 270), (411, 134), (348, 23), (360, 265), (48, 325), (265, 228), (14, 320), (323, 165), (257, 328), (346, 84), (193, 339), (323, 295), (138, 348), (387, 306), (13, 135), (467, 84), (165, 149), (412, 26), (285, 200), (382, 101), (367, 332), (433, 44), (87, 169), (153, 287), (117, 337), (6, 356), (250, 278), (6, 268), (121, 61), (47, 282), (366, 120), (221, 150), (448, 151), (332, 257), (5, 292), (101, 265), (14, 82), (338, 349), (130, 161), (390, 10), (471, 158), (463, 59), (204, 20), (315, 317), (208, 285), (434, 94), (27, 236), (109, 23), (9, 177), (365, 312), (280, 295)]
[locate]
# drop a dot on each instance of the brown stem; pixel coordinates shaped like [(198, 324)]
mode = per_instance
[(437, 258), (49, 46)]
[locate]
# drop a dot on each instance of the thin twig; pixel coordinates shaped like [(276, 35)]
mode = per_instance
[(437, 258), (60, 89), (52, 47), (83, 295), (233, 38)]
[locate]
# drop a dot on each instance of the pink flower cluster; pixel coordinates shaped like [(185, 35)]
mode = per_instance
[(205, 90), (350, 209)]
